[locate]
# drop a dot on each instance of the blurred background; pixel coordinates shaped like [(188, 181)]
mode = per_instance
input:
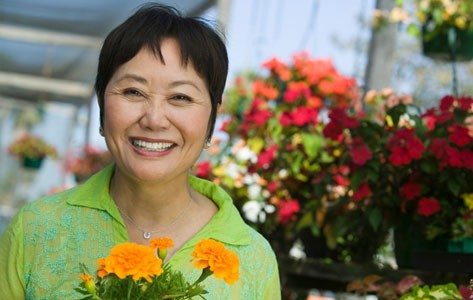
[(49, 51)]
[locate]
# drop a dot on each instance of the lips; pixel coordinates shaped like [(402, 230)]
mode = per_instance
[(152, 146)]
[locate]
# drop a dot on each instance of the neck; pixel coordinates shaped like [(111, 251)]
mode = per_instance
[(150, 206)]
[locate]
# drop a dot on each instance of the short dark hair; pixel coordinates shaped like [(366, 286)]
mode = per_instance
[(199, 43)]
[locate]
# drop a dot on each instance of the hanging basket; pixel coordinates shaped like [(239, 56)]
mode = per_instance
[(448, 44), (32, 163)]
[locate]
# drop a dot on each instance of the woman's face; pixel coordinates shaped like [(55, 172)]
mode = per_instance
[(156, 115)]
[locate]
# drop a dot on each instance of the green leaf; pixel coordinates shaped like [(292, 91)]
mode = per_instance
[(454, 187), (305, 221), (375, 217), (413, 30), (357, 179), (429, 168), (312, 144)]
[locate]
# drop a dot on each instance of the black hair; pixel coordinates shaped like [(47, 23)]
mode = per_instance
[(200, 44)]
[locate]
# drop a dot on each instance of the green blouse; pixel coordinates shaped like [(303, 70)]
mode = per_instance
[(42, 247)]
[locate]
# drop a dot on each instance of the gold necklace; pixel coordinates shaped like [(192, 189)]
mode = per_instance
[(148, 233)]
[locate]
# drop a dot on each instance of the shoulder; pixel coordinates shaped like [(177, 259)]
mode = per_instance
[(47, 204)]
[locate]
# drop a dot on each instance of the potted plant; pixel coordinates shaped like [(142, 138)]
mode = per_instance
[(446, 26), (279, 168), (412, 172), (89, 162), (31, 150)]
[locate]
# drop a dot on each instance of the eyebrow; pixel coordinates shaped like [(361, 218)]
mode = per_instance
[(143, 80), (184, 82), (132, 77)]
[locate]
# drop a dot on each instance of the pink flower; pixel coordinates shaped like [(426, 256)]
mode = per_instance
[(362, 192), (203, 169), (266, 157), (288, 210)]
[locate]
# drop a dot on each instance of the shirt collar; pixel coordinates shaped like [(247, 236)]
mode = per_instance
[(226, 225)]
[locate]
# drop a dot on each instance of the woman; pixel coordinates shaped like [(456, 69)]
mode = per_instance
[(160, 81)]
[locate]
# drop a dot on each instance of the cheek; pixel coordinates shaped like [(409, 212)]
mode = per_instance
[(118, 112)]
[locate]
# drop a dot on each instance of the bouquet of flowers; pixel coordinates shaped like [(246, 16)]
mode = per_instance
[(133, 271)]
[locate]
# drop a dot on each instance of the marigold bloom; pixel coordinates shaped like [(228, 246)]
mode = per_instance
[(130, 259), (222, 262), (162, 244), (89, 283)]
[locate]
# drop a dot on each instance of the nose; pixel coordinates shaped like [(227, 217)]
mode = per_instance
[(155, 115)]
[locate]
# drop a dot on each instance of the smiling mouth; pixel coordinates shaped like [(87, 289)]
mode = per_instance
[(152, 147)]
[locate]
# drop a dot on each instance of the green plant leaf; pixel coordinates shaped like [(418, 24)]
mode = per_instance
[(454, 187), (312, 144), (375, 218)]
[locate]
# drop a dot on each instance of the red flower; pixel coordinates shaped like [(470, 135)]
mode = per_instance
[(410, 190), (446, 102), (454, 157), (363, 191), (459, 135), (428, 206), (338, 121), (266, 157), (203, 169), (405, 147), (304, 115), (465, 103), (288, 210), (361, 154), (467, 158), (285, 119)]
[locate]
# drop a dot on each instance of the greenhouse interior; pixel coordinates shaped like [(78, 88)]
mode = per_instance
[(343, 140)]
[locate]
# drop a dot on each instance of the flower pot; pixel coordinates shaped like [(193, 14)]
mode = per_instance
[(448, 44), (32, 163), (461, 246), (410, 244)]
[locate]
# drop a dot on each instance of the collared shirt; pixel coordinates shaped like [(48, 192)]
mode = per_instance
[(42, 247)]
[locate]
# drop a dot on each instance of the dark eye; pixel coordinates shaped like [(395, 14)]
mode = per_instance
[(132, 93), (181, 98)]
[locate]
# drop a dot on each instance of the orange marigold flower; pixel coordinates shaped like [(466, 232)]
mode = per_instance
[(89, 283), (222, 262), (130, 259), (101, 269), (161, 243)]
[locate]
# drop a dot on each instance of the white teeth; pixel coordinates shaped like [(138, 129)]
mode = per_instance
[(152, 146)]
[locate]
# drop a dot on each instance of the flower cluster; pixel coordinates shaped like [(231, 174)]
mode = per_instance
[(273, 164), (435, 15), (302, 154), (90, 162), (31, 147), (134, 271), (414, 167)]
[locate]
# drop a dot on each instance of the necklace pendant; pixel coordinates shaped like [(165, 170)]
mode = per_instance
[(147, 235)]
